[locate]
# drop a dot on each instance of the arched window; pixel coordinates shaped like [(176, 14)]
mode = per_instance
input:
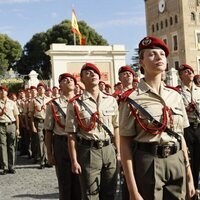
[(192, 16), (153, 28)]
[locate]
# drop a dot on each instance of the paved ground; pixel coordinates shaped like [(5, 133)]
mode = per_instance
[(29, 182)]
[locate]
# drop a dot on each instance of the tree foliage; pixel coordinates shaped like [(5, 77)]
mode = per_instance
[(34, 57), (10, 53)]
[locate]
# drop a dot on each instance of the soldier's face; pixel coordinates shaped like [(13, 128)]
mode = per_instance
[(41, 90), (89, 76), (154, 61), (67, 83), (187, 75), (3, 93), (126, 77)]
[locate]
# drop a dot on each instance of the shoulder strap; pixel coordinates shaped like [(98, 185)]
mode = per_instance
[(59, 108), (98, 120), (152, 119)]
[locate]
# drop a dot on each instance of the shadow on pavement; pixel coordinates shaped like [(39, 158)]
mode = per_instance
[(37, 196)]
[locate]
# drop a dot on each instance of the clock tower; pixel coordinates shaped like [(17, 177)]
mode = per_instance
[(177, 23)]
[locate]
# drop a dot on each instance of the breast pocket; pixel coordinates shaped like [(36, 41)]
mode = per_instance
[(107, 116), (154, 110)]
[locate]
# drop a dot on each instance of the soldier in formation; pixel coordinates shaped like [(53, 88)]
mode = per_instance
[(152, 121), (92, 128)]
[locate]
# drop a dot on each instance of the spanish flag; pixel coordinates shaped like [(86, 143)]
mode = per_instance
[(75, 28)]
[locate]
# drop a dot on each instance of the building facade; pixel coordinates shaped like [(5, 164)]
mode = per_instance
[(67, 58), (177, 23)]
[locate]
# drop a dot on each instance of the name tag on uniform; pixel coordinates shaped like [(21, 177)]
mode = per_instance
[(109, 111)]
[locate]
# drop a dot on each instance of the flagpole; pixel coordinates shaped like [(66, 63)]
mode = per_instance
[(74, 39)]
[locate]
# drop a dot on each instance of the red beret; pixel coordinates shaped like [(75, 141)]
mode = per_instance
[(21, 90), (33, 88), (87, 66), (12, 94), (150, 42), (108, 86), (196, 78), (49, 89), (41, 85), (126, 68), (185, 66), (65, 75), (118, 83), (3, 87), (102, 82)]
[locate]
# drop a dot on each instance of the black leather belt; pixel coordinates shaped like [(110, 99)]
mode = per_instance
[(98, 144), (158, 150), (6, 123), (39, 120)]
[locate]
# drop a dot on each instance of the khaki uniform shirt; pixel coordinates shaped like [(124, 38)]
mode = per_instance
[(36, 106), (11, 111), (107, 108), (189, 96), (21, 103), (49, 122), (153, 103)]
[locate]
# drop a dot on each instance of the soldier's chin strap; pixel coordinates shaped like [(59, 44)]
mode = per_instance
[(153, 120), (81, 103)]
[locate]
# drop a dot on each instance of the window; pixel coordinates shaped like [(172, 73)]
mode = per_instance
[(165, 41), (157, 27), (175, 42), (166, 23), (161, 24), (176, 64), (176, 19), (171, 21), (198, 38), (192, 16), (153, 28)]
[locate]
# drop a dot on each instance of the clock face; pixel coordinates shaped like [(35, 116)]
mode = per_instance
[(161, 6)]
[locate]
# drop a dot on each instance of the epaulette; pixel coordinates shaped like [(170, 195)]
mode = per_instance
[(74, 98), (126, 94), (177, 88)]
